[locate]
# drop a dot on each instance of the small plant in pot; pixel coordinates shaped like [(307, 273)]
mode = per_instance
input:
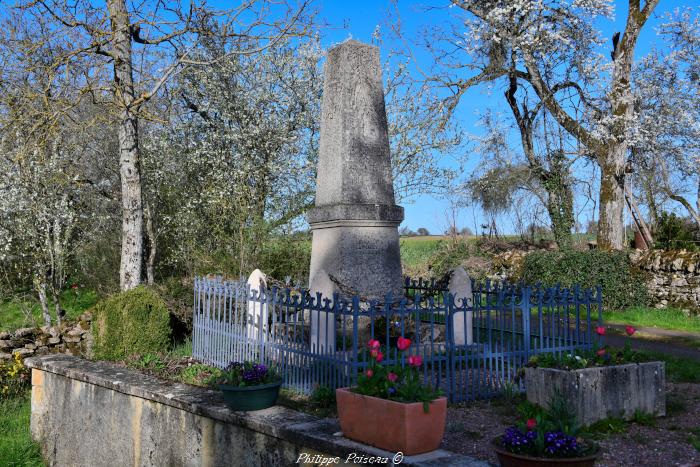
[(406, 415), (545, 437), (249, 386)]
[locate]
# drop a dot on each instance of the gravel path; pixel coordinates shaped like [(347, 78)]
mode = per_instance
[(472, 426)]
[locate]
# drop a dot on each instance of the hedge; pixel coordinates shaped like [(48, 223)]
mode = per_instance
[(623, 285), (132, 322)]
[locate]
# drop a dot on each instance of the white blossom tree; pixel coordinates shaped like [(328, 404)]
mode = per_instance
[(143, 46), (553, 48)]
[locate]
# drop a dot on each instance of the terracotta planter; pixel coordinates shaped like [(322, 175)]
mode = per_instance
[(509, 459), (391, 425)]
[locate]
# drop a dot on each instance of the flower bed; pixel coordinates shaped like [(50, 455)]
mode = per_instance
[(599, 384)]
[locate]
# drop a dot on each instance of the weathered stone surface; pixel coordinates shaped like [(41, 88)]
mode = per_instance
[(6, 344), (54, 340), (24, 332), (4, 335), (602, 392), (354, 223), (322, 322), (135, 419), (5, 356), (460, 286), (23, 352)]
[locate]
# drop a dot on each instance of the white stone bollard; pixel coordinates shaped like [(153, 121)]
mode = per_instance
[(322, 322), (460, 287), (256, 323)]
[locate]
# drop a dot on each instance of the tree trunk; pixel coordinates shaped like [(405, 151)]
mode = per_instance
[(150, 232), (612, 199), (40, 286), (129, 169), (560, 206), (57, 305)]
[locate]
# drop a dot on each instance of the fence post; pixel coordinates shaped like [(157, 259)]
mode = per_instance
[(525, 308)]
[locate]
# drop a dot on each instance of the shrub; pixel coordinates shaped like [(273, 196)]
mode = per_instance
[(14, 377), (675, 233), (132, 322), (623, 285)]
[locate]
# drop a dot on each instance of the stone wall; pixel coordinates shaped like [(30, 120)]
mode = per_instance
[(72, 338), (98, 414), (673, 277)]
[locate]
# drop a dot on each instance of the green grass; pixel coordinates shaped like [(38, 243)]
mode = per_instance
[(416, 251), (678, 369), (16, 446), (15, 314), (665, 318)]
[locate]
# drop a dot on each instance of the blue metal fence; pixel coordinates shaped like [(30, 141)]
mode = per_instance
[(471, 346)]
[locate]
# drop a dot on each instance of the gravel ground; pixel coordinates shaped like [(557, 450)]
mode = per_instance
[(667, 442)]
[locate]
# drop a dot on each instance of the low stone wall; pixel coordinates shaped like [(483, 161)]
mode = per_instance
[(674, 277), (98, 414), (70, 338), (602, 392)]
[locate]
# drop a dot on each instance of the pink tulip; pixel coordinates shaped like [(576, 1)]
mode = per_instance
[(369, 373), (600, 330), (630, 330), (392, 377), (374, 344), (531, 424), (402, 343), (415, 360), (600, 352), (377, 355)]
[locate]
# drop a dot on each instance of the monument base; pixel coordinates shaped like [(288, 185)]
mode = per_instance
[(362, 257)]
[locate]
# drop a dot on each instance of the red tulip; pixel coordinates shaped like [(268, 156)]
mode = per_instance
[(415, 360), (531, 423), (374, 344), (402, 343), (600, 330), (74, 286), (377, 355), (392, 377), (369, 373), (630, 330), (600, 352)]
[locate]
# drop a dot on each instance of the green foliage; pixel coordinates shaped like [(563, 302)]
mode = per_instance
[(14, 377), (623, 286), (16, 446), (694, 438), (286, 256), (674, 233), (452, 253), (323, 397), (643, 418), (199, 374), (579, 359), (25, 311), (606, 427), (678, 369), (132, 322)]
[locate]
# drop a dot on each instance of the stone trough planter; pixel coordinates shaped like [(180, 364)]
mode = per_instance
[(602, 392)]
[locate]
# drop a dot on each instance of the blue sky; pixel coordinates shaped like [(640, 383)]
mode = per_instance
[(358, 19)]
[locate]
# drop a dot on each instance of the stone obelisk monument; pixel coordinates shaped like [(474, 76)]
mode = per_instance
[(355, 220)]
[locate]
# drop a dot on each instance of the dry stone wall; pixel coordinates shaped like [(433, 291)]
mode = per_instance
[(72, 338), (673, 277)]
